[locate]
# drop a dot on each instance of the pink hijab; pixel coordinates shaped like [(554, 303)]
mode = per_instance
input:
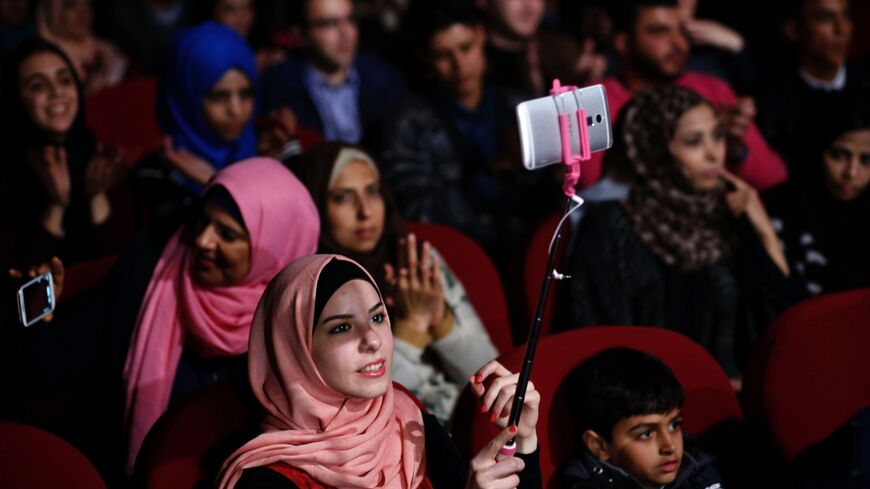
[(282, 223), (339, 441)]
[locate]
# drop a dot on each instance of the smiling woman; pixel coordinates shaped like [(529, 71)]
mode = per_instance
[(54, 176), (319, 365), (207, 282)]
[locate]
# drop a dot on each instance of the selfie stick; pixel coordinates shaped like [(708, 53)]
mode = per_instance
[(572, 176)]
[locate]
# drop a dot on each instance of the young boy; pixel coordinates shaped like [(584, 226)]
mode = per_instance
[(626, 408)]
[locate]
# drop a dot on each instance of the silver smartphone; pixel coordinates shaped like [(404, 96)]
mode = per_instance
[(539, 124), (36, 299)]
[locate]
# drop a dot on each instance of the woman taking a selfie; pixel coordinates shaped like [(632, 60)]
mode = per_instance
[(439, 338), (319, 364), (54, 178), (692, 247)]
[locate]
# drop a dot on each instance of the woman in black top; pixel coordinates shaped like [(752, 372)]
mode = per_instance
[(822, 220), (677, 252), (53, 180)]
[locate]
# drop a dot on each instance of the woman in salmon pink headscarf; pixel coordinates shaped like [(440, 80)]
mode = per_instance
[(319, 361), (256, 218)]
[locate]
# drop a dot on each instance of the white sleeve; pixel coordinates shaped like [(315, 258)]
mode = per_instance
[(467, 347)]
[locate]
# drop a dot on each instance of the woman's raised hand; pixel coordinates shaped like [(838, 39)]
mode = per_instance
[(488, 472), (58, 272), (276, 130), (495, 386), (103, 169), (745, 200), (418, 292), (190, 165), (53, 173)]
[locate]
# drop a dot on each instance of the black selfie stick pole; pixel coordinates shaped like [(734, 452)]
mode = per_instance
[(572, 174), (535, 329)]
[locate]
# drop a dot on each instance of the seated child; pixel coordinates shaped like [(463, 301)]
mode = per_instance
[(625, 406)]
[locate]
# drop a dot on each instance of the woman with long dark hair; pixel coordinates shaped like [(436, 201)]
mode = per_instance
[(54, 175)]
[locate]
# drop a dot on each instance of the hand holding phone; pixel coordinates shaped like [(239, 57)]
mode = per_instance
[(37, 298)]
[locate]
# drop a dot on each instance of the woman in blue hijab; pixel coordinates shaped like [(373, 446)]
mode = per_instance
[(205, 108)]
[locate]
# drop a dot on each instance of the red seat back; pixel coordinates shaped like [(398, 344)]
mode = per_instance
[(33, 458), (82, 277), (810, 371), (558, 308), (710, 399), (189, 443), (124, 115), (478, 275)]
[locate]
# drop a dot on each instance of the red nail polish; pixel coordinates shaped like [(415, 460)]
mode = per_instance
[(513, 429), (478, 379), (483, 408), (492, 418)]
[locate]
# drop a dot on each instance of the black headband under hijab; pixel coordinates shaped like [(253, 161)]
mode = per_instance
[(335, 274), (219, 196)]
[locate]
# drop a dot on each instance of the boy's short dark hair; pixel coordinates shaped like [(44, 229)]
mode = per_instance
[(624, 13), (618, 383), (424, 19)]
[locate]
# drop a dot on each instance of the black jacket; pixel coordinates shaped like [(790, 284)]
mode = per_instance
[(584, 471)]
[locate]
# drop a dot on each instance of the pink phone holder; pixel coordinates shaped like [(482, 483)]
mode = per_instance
[(569, 159)]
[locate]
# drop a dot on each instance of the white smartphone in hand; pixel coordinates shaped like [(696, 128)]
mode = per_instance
[(539, 124), (36, 299)]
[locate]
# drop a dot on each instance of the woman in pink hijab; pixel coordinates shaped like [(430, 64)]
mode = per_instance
[(256, 218), (319, 362)]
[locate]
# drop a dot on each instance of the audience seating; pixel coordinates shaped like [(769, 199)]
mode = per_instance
[(478, 275), (32, 458), (124, 115), (189, 443), (810, 371), (711, 405), (82, 277), (558, 309)]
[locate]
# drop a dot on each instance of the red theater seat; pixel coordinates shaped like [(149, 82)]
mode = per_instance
[(32, 458), (710, 399), (478, 275), (82, 277), (558, 308), (124, 115), (810, 370)]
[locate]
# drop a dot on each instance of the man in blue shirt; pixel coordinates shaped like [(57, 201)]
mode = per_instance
[(332, 89)]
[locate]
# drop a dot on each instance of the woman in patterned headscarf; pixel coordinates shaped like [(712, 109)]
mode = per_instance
[(671, 255)]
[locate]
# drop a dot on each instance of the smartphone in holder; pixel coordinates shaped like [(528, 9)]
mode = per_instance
[(539, 124), (36, 299)]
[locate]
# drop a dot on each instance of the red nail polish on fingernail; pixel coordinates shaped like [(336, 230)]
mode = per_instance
[(513, 429), (483, 408), (478, 379), (492, 418)]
